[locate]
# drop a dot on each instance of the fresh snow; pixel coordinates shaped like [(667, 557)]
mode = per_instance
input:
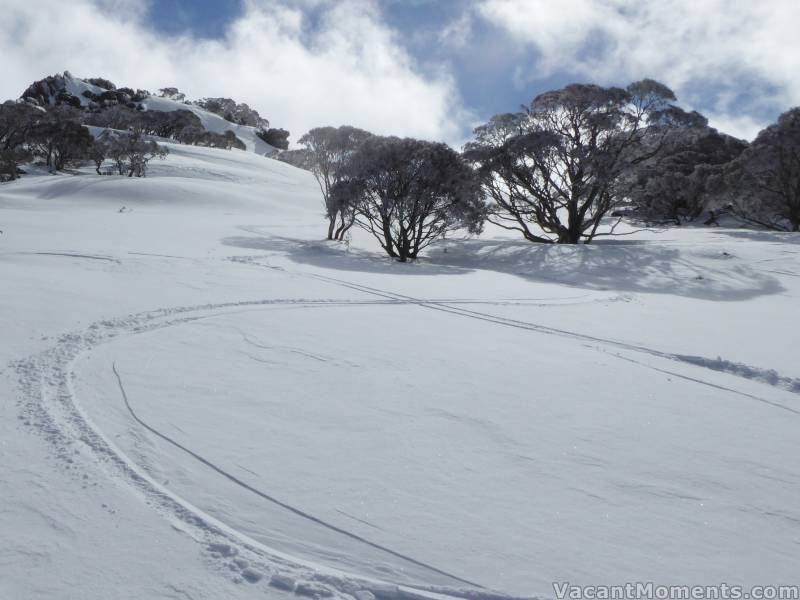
[(201, 399), (211, 121)]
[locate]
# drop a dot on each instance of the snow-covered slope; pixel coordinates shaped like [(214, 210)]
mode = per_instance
[(213, 122), (201, 399)]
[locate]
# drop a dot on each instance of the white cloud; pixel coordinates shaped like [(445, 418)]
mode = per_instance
[(456, 34), (709, 51), (349, 68)]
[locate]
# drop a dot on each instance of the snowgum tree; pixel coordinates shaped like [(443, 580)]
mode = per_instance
[(172, 93), (555, 170), (102, 82), (234, 112), (327, 152), (140, 152), (60, 138), (765, 180), (278, 138), (297, 158), (17, 121), (408, 193), (680, 181), (130, 152)]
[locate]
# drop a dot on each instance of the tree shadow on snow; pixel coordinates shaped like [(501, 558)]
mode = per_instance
[(621, 265), (616, 265), (333, 255), (776, 237)]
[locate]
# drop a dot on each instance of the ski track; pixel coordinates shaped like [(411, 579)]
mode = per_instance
[(276, 501), (767, 376), (74, 255), (49, 406)]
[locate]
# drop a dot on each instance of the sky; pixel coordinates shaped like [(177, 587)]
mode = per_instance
[(426, 68)]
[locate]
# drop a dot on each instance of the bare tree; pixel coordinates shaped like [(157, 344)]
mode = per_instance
[(554, 170), (408, 193), (328, 150)]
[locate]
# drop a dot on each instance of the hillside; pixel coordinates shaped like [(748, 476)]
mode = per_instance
[(204, 400), (73, 91)]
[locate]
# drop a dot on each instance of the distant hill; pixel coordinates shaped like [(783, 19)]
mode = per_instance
[(97, 95)]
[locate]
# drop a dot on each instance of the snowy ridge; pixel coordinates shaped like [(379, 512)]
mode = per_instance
[(213, 122), (210, 121)]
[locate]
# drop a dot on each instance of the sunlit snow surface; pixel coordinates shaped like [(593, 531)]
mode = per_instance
[(499, 413)]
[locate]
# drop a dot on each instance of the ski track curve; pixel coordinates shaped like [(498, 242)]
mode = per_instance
[(49, 406), (276, 501)]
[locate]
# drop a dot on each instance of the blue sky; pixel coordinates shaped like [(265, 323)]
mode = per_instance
[(495, 69), (426, 68), (484, 70)]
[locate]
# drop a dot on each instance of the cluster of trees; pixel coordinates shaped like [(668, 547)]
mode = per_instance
[(129, 151), (278, 138), (57, 137), (180, 125), (764, 180), (559, 171), (232, 111), (50, 124), (106, 105)]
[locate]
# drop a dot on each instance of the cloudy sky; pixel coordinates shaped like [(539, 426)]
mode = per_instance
[(426, 68)]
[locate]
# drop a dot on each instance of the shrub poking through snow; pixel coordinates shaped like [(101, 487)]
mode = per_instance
[(130, 152)]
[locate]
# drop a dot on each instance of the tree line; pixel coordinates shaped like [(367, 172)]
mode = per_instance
[(59, 136), (565, 169)]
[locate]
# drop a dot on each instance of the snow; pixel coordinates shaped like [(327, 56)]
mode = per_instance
[(202, 399), (210, 121), (76, 87), (213, 122)]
